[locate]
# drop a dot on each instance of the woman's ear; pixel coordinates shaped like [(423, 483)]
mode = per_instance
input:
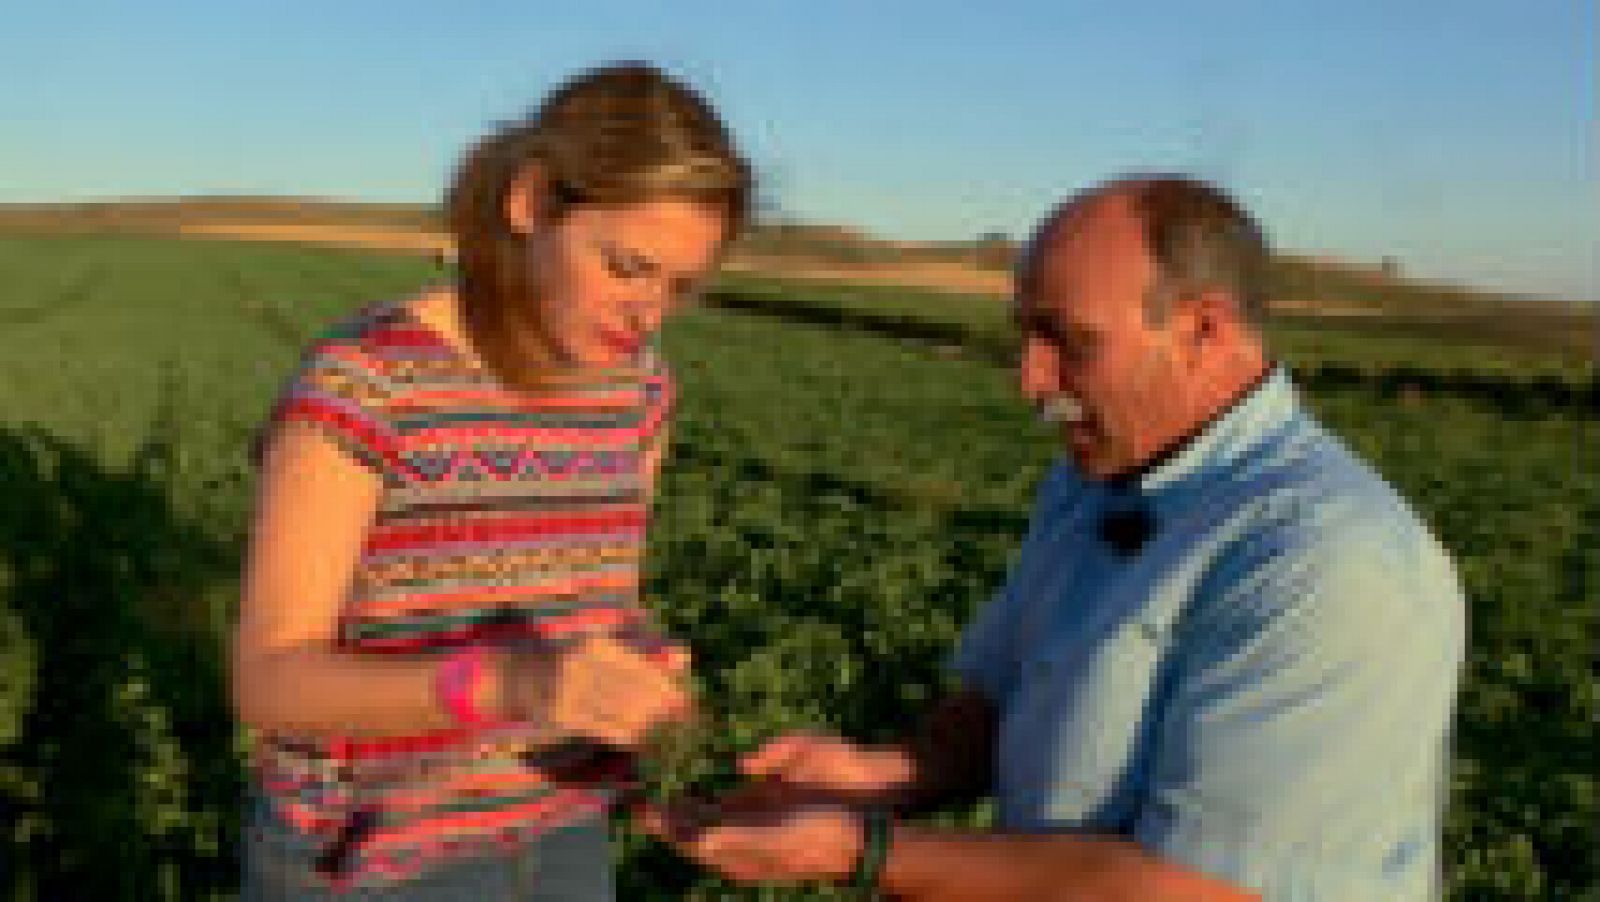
[(527, 199)]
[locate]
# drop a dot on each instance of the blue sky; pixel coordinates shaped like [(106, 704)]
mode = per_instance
[(1455, 136)]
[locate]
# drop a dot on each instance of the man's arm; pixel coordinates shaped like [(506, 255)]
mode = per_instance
[(1300, 747), (949, 758), (826, 842), (1306, 713), (933, 866)]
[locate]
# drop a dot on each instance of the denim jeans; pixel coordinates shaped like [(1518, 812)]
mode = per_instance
[(572, 864)]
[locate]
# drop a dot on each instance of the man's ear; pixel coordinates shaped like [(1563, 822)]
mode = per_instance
[(1209, 319), (527, 199)]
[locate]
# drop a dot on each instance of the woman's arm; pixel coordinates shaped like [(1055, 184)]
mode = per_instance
[(651, 468), (314, 506)]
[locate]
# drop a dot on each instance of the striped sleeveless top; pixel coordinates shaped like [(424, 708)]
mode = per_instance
[(504, 517)]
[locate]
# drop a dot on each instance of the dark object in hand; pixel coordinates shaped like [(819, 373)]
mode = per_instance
[(632, 776), (587, 762), (336, 857)]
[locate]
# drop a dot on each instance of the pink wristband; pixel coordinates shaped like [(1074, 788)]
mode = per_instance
[(457, 681)]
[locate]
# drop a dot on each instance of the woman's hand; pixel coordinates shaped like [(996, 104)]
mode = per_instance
[(599, 689)]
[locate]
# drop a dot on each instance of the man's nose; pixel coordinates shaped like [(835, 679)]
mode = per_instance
[(1036, 371)]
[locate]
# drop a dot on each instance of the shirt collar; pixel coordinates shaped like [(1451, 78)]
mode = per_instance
[(1232, 435)]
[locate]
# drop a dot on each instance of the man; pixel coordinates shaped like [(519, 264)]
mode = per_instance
[(1224, 663)]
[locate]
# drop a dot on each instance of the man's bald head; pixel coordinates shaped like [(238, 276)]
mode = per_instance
[(1198, 238), (1135, 303)]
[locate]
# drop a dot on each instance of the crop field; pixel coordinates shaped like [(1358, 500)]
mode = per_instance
[(851, 473)]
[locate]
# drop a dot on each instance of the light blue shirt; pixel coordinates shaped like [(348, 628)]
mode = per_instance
[(1263, 692)]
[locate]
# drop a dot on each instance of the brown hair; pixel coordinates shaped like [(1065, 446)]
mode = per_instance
[(620, 134), (1200, 237)]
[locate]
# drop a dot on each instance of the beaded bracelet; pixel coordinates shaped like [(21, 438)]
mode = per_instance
[(877, 828), (456, 682)]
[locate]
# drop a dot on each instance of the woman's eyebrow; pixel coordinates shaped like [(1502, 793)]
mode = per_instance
[(645, 264), (629, 256)]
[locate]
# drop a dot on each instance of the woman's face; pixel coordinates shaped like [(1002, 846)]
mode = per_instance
[(605, 278)]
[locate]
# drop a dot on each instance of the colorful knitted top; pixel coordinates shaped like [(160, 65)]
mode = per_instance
[(504, 517)]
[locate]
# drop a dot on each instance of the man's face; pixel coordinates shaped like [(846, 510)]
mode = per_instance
[(1091, 361)]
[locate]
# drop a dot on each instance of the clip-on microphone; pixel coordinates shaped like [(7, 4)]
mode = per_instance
[(1127, 529)]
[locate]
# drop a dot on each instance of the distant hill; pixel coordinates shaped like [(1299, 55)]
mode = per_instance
[(1309, 287)]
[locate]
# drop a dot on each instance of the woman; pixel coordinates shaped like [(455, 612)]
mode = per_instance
[(444, 566)]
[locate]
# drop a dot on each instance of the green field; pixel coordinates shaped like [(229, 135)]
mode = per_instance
[(850, 475)]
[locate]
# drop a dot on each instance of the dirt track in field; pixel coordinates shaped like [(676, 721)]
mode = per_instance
[(940, 275), (337, 235), (921, 274)]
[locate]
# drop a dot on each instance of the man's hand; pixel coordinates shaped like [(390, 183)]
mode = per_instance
[(806, 767), (750, 843)]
